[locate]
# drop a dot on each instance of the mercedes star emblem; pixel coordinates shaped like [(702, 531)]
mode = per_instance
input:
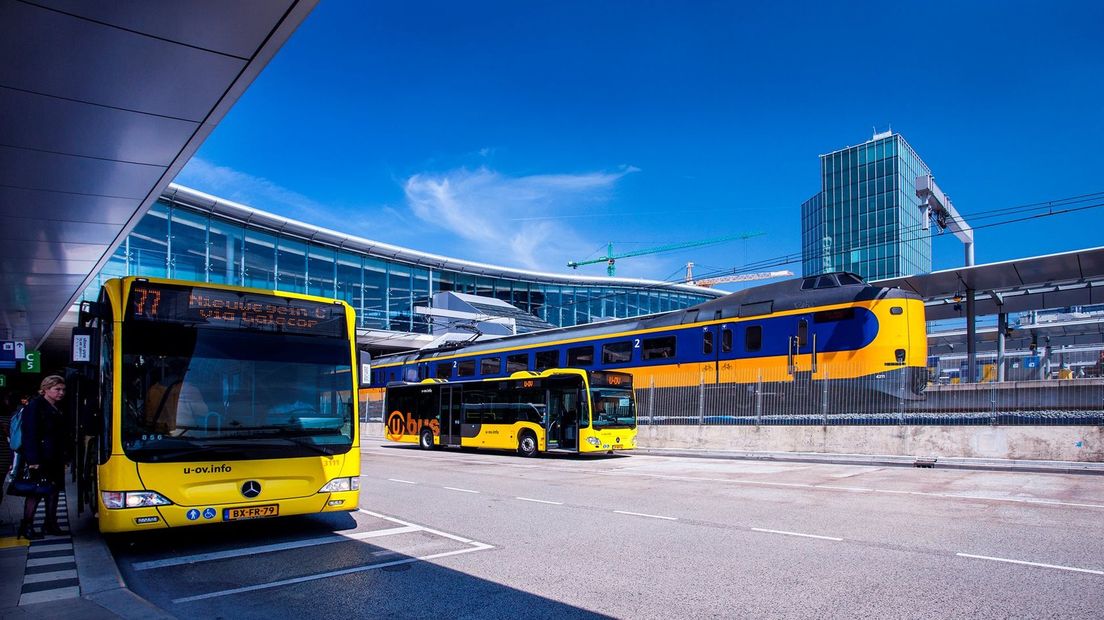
[(251, 489)]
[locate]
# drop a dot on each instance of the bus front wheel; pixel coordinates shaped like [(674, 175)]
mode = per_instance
[(527, 444), (425, 440)]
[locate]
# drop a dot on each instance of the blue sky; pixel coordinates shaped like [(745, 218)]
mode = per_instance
[(531, 134)]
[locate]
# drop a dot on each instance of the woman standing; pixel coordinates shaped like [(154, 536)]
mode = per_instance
[(44, 452)]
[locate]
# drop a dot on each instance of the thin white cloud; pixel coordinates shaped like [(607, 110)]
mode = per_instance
[(257, 192), (481, 206)]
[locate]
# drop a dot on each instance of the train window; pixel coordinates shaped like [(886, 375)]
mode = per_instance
[(410, 373), (547, 359), (839, 314), (580, 356), (616, 352), (802, 332), (707, 342), (465, 368), (753, 338), (444, 371), (808, 283), (726, 340), (518, 362), (826, 281), (849, 278), (757, 308), (657, 348), (490, 366)]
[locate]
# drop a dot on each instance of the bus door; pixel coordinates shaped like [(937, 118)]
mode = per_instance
[(566, 409), (452, 413)]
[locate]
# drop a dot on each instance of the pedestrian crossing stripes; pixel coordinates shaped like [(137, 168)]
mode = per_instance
[(51, 569)]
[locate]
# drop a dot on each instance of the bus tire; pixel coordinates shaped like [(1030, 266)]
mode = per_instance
[(527, 444), (425, 440)]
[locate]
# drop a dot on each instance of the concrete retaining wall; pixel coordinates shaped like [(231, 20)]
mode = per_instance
[(1042, 443)]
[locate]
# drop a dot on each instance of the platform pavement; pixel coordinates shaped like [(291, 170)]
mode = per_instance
[(102, 592), (103, 595)]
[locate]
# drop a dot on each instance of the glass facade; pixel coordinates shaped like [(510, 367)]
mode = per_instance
[(187, 242), (865, 219)]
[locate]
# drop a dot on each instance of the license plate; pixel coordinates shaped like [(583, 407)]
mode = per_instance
[(250, 512)]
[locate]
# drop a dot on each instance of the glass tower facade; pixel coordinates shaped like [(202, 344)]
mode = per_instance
[(866, 218), (185, 238)]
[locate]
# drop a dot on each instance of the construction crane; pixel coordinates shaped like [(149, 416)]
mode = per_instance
[(610, 258), (738, 277)]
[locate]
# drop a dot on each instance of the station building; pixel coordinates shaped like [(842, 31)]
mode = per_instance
[(864, 219), (189, 235)]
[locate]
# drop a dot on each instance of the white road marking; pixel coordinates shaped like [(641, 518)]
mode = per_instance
[(784, 533), (474, 546), (641, 514), (402, 481), (45, 548), (461, 490), (49, 561), (295, 544), (54, 576), (1055, 566), (539, 501), (336, 573), (44, 596)]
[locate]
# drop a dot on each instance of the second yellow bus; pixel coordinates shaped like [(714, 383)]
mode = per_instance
[(557, 410)]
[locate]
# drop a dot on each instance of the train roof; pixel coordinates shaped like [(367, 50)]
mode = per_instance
[(793, 294)]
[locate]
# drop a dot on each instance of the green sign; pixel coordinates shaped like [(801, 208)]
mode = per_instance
[(32, 364), (3, 380)]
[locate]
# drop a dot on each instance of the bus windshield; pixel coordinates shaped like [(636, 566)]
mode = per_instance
[(613, 407), (191, 392)]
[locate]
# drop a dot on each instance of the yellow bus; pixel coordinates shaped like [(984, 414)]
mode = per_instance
[(556, 410), (216, 403)]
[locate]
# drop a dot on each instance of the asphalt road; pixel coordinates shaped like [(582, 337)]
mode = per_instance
[(449, 534)]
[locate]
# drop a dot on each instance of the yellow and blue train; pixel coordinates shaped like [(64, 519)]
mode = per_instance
[(805, 345)]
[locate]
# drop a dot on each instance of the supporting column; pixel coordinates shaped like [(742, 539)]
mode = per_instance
[(1002, 328)]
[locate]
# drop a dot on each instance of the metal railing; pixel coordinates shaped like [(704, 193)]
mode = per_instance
[(756, 397)]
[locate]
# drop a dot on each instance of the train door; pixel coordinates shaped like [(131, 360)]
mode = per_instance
[(711, 351), (451, 416), (801, 358)]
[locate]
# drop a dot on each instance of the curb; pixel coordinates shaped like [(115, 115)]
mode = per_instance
[(932, 462)]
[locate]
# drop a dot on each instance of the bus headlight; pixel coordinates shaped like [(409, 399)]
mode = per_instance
[(341, 484), (133, 499), (593, 441)]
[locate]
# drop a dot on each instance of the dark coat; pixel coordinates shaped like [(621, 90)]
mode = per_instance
[(44, 434)]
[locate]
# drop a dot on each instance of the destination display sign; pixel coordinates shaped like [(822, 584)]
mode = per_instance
[(600, 378), (228, 309)]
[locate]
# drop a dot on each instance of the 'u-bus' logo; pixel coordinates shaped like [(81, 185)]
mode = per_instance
[(396, 423), (399, 424)]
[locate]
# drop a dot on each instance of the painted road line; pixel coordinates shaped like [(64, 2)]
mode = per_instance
[(1054, 566), (461, 539), (641, 514), (539, 501), (336, 573), (49, 561), (295, 544), (474, 546), (402, 481), (57, 575), (46, 596), (784, 533), (461, 490)]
